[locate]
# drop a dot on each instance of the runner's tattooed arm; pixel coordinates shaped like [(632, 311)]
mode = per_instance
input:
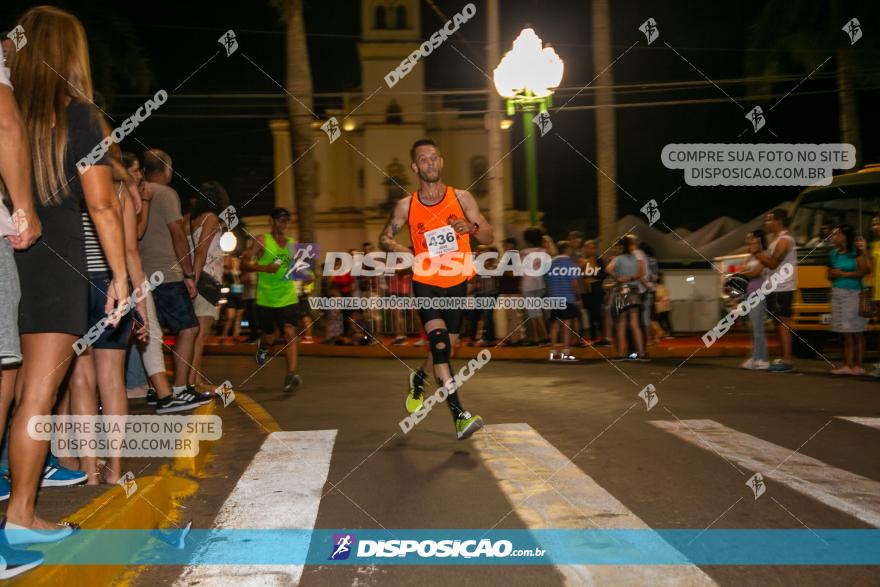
[(475, 222), (395, 223)]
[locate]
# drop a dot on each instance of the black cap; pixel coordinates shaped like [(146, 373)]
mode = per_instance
[(279, 213)]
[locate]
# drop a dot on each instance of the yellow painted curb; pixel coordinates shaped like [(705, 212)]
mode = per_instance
[(153, 505), (263, 419), (195, 465)]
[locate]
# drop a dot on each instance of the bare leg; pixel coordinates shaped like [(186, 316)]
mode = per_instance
[(110, 364), (785, 339), (621, 333), (566, 335), (7, 394), (636, 325), (183, 355), (46, 360), (84, 402), (206, 323), (554, 335), (859, 344), (290, 335), (227, 325)]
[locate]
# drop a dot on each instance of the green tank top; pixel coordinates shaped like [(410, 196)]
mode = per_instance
[(273, 291)]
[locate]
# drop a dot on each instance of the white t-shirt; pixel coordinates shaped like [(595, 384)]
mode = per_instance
[(532, 283), (790, 283)]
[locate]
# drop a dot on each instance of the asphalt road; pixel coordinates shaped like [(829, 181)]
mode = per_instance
[(663, 467)]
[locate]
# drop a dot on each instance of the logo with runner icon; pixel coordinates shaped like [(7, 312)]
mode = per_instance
[(342, 546)]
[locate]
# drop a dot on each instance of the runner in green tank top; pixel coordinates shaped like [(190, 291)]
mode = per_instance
[(276, 304)]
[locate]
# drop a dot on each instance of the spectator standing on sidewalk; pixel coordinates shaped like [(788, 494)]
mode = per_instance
[(663, 307), (649, 282), (533, 286), (875, 275), (781, 255), (63, 127), (593, 297), (847, 265), (164, 249), (204, 230), (756, 273), (563, 281), (628, 269), (15, 175), (509, 289)]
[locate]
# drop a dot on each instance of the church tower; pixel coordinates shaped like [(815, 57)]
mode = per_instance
[(392, 117)]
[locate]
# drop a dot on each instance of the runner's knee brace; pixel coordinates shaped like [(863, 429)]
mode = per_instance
[(440, 343)]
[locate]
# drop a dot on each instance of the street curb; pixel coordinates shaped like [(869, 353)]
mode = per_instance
[(378, 351), (257, 413), (155, 504)]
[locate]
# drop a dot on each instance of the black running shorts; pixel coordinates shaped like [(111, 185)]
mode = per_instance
[(452, 317), (271, 319)]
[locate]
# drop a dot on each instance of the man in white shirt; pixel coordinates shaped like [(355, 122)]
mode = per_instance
[(782, 251)]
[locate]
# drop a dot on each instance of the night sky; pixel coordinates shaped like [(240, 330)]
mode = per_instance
[(138, 48)]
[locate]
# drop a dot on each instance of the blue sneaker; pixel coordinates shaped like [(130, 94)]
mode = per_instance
[(15, 561), (780, 366), (5, 487), (54, 475)]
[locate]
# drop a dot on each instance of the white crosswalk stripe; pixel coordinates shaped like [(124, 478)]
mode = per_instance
[(842, 490), (871, 422), (547, 490), (280, 489)]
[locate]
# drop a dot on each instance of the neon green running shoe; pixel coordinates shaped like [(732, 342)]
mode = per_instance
[(466, 425), (415, 397)]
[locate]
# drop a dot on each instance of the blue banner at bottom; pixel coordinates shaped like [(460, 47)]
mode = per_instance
[(465, 547)]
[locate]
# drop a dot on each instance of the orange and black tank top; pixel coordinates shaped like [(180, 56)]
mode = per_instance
[(442, 256)]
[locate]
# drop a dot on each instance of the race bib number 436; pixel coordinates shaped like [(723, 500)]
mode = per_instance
[(441, 240)]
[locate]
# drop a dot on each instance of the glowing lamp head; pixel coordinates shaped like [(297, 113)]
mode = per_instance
[(528, 67), (228, 242)]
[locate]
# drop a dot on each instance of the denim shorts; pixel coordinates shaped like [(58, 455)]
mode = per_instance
[(174, 307), (111, 338)]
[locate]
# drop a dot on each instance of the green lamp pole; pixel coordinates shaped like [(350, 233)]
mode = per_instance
[(529, 106), (525, 77)]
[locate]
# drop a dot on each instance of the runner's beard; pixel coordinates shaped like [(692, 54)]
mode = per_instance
[(430, 178)]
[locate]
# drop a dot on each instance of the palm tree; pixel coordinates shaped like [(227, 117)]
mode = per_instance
[(807, 32), (299, 107), (606, 139)]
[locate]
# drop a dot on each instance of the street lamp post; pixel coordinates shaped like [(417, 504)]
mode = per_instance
[(526, 77)]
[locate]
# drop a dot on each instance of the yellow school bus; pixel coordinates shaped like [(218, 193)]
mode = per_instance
[(851, 198)]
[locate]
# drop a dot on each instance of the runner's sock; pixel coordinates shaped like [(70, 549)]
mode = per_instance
[(454, 405)]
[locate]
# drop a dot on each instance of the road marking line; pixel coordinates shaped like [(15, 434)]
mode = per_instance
[(872, 422), (280, 489), (521, 460), (844, 491)]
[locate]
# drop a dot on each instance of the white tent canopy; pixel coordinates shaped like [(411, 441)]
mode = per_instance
[(722, 236)]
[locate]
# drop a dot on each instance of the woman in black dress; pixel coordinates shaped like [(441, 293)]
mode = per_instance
[(53, 89)]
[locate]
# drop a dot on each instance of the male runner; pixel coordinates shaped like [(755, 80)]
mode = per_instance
[(441, 221), (276, 304)]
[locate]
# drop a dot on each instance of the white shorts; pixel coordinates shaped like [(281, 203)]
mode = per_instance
[(205, 308)]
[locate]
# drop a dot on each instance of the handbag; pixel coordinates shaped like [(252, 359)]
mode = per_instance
[(208, 288), (867, 305), (626, 296)]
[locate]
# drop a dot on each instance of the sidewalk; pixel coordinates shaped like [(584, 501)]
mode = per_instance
[(731, 345)]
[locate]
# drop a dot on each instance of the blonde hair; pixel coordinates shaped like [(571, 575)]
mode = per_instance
[(53, 67)]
